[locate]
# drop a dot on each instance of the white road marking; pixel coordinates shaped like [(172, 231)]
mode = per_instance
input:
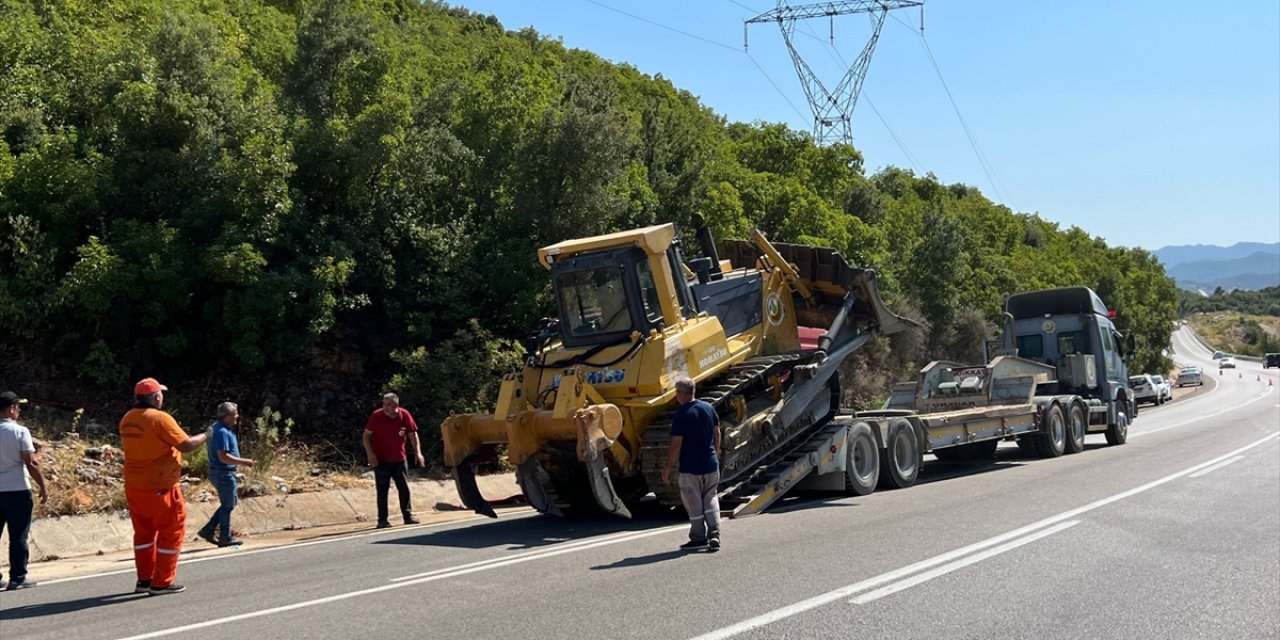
[(456, 571), (960, 564), (284, 547), (1207, 471), (885, 578), (1198, 419)]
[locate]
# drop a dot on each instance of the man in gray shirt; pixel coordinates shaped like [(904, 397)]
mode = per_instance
[(17, 457)]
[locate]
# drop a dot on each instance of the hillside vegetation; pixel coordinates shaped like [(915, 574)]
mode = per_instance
[(1238, 333), (244, 196)]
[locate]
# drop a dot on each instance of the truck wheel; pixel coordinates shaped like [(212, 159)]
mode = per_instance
[(862, 466), (1077, 426), (1053, 440), (1118, 433), (901, 458)]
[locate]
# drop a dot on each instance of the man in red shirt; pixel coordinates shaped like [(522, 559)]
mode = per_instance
[(384, 438)]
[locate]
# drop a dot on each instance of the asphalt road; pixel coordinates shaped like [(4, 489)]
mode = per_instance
[(1174, 535)]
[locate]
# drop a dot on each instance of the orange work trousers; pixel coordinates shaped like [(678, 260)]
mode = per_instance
[(159, 524)]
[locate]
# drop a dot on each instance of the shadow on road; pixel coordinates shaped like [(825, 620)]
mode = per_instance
[(642, 560), (539, 531), (55, 608)]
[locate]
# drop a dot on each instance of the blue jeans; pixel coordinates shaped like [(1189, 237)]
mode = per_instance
[(15, 513), (225, 483)]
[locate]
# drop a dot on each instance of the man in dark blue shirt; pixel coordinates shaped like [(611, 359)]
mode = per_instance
[(224, 456), (695, 442)]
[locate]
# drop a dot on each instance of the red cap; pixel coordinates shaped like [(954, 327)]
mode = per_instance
[(148, 386)]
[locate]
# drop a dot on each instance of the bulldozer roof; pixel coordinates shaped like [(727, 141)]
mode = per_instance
[(654, 240)]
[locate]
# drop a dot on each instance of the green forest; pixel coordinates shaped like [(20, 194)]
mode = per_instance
[(245, 194)]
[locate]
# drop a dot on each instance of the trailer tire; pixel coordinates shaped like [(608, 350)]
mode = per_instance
[(862, 463), (1053, 441), (902, 455), (1077, 427)]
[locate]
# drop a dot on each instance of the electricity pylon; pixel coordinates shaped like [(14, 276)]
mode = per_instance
[(832, 110)]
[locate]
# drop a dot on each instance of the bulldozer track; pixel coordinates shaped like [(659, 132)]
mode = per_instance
[(750, 378)]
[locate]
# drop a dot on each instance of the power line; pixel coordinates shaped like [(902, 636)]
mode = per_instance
[(839, 59), (709, 41), (775, 85), (988, 169), (767, 77), (663, 26)]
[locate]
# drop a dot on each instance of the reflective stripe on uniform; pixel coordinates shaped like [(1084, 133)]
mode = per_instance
[(167, 552), (140, 547)]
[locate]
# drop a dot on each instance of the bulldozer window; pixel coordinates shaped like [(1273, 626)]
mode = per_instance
[(649, 291), (594, 301)]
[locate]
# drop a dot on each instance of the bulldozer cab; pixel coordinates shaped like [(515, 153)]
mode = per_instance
[(609, 287), (604, 296)]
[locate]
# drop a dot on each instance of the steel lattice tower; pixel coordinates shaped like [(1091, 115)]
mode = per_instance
[(832, 110)]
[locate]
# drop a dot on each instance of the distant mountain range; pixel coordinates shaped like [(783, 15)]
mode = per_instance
[(1205, 267)]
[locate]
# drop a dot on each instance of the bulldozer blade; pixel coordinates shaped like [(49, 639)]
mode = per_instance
[(464, 478), (602, 488), (536, 485)]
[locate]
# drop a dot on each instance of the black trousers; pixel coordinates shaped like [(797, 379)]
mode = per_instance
[(383, 474), (15, 513)]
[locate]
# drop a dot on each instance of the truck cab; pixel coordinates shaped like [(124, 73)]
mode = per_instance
[(1070, 329)]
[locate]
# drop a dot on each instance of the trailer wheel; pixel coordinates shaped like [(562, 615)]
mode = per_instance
[(862, 466), (1077, 426), (901, 458), (1053, 441)]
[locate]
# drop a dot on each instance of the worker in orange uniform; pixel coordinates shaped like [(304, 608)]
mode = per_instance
[(153, 445)]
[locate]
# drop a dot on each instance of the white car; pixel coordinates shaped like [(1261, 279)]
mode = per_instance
[(1189, 376), (1164, 387), (1226, 362), (1145, 390)]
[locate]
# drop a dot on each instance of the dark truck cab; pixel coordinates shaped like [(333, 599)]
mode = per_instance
[(1071, 329)]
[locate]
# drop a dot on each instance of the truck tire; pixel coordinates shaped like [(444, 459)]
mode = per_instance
[(1118, 433), (1077, 426), (1053, 441), (862, 463), (902, 455)]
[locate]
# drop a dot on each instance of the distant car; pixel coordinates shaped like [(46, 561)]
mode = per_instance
[(1189, 376), (1164, 386), (1218, 355), (1145, 390), (1271, 360), (1226, 362)]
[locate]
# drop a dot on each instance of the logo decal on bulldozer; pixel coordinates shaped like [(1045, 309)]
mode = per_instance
[(606, 376), (773, 308)]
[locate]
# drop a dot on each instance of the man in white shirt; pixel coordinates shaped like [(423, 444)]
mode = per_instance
[(17, 457)]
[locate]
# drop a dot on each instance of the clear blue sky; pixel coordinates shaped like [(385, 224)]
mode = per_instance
[(1147, 123)]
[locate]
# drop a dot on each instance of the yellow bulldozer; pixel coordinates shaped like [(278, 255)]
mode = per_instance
[(761, 331)]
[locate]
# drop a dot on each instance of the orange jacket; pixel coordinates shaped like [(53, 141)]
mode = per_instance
[(150, 438)]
